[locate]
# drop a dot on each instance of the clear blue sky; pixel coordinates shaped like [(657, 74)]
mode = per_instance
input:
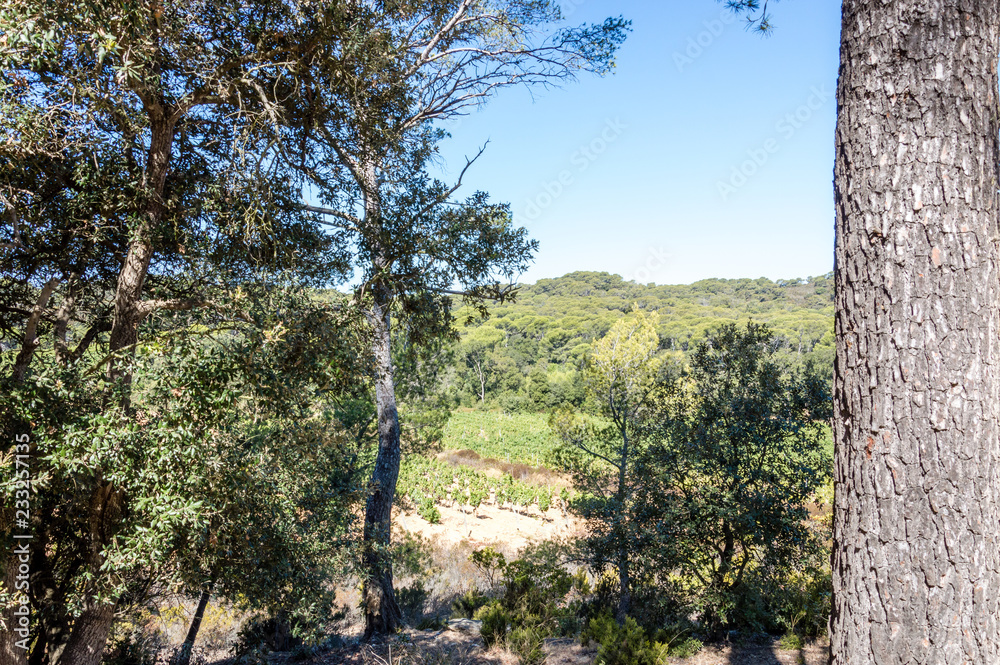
[(691, 101)]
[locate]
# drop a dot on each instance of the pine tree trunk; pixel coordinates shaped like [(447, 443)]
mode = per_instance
[(382, 614), (916, 556)]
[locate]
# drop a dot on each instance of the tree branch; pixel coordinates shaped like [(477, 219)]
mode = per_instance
[(30, 342)]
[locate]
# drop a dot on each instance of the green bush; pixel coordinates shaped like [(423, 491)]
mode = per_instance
[(790, 642), (411, 599), (466, 605), (629, 644), (495, 621), (527, 642), (684, 649), (429, 511)]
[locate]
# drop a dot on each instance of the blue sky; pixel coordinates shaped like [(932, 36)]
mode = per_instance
[(708, 153)]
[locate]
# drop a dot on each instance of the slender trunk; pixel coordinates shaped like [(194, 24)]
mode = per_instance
[(916, 554), (63, 316), (482, 382), (382, 614), (184, 655), (624, 581)]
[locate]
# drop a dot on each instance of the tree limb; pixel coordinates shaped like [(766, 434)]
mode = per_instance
[(30, 342)]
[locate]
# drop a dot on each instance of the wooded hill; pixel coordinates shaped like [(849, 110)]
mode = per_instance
[(528, 352)]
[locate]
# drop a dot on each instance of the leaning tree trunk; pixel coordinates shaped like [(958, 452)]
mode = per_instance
[(916, 557), (184, 654), (382, 614)]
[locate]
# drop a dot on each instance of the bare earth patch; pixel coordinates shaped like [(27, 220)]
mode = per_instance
[(490, 525)]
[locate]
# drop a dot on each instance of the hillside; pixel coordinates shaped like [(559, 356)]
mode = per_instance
[(528, 353)]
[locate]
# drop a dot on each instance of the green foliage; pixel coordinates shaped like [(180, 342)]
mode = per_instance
[(523, 438), (554, 323), (532, 601), (468, 604), (495, 622), (630, 644), (411, 598), (412, 555), (429, 511), (491, 565), (625, 644), (737, 449), (527, 642), (790, 642)]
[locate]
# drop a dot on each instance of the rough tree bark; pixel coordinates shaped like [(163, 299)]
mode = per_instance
[(916, 557), (128, 312), (9, 653), (92, 627), (382, 614)]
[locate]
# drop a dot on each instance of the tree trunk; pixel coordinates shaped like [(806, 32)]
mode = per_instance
[(90, 634), (624, 544), (916, 556), (382, 614), (184, 654), (91, 629), (10, 654), (128, 313)]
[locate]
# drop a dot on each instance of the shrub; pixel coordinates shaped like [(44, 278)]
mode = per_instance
[(629, 644), (429, 511), (495, 621), (491, 565), (623, 645), (466, 605), (527, 642), (132, 646), (685, 649), (790, 642), (411, 599)]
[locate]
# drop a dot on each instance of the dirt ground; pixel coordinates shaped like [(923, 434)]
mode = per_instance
[(490, 525), (448, 647)]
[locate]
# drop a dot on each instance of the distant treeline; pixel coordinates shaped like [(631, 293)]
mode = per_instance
[(529, 353)]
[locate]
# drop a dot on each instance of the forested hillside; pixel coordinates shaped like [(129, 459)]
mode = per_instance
[(529, 352)]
